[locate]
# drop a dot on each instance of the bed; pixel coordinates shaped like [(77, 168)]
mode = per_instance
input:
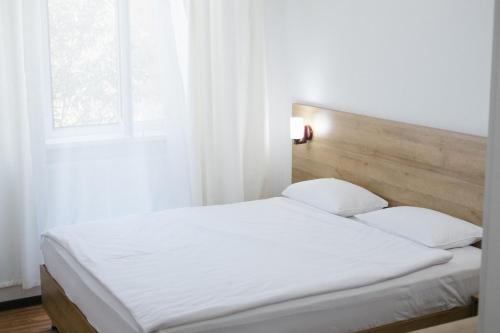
[(90, 284)]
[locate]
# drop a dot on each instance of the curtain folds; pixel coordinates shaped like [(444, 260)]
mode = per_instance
[(227, 100), (195, 114), (19, 231)]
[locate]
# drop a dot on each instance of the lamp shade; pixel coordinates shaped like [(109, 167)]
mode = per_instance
[(296, 128)]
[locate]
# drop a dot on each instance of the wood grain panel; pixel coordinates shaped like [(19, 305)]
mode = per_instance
[(425, 321), (461, 326), (404, 163), (65, 315)]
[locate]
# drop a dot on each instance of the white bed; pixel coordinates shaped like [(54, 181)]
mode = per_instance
[(412, 293)]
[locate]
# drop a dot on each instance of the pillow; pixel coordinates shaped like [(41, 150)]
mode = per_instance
[(425, 226), (335, 196)]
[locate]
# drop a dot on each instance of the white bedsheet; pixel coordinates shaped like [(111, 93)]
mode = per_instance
[(190, 265), (433, 289)]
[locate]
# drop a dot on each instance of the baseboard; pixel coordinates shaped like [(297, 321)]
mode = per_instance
[(20, 303), (17, 292)]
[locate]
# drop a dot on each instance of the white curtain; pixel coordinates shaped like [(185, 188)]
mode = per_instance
[(179, 118), (227, 99), (19, 91)]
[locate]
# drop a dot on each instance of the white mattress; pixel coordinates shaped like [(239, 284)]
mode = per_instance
[(435, 288)]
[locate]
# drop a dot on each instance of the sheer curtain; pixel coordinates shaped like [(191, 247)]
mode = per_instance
[(227, 100), (122, 108), (19, 91)]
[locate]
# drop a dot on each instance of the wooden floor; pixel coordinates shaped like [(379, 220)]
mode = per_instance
[(32, 319)]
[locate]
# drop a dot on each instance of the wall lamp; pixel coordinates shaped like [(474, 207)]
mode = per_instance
[(299, 132)]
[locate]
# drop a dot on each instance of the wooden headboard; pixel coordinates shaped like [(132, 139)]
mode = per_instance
[(405, 164)]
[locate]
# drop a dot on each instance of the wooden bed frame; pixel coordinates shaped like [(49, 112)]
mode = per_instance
[(403, 163), (406, 164), (65, 315)]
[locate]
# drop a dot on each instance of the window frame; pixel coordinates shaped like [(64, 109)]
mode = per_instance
[(123, 129)]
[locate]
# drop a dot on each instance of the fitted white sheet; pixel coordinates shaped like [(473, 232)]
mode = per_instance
[(62, 263), (433, 289)]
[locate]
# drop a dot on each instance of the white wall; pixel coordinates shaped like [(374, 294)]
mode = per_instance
[(279, 95), (490, 271), (419, 61)]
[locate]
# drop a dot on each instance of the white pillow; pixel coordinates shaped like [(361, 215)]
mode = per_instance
[(335, 196), (425, 226)]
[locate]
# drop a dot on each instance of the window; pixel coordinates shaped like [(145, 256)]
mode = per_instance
[(84, 58), (114, 68)]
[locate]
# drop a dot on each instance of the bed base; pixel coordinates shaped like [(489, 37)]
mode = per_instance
[(432, 319), (65, 315), (67, 318)]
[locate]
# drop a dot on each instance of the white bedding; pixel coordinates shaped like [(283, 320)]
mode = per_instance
[(433, 289), (190, 265)]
